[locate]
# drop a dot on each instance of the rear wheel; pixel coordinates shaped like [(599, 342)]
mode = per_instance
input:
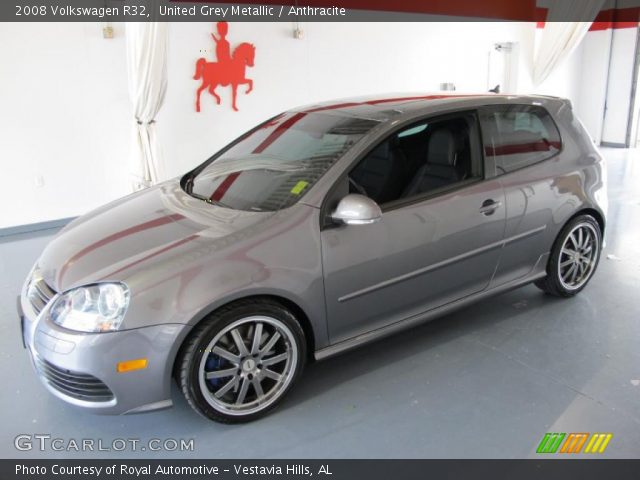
[(574, 257), (241, 361)]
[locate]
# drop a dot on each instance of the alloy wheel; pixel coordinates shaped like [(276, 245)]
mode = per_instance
[(248, 365), (578, 256)]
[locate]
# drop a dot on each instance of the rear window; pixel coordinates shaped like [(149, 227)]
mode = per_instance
[(272, 166), (516, 136)]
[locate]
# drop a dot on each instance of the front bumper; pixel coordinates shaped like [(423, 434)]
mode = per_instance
[(80, 368)]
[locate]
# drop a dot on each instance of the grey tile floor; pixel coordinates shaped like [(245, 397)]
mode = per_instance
[(487, 381)]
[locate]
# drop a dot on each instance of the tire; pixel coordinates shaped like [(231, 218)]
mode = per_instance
[(574, 258), (229, 374)]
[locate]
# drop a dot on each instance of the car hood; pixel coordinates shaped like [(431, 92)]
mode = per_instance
[(116, 240)]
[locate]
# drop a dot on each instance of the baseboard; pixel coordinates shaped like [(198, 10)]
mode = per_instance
[(34, 227), (613, 144)]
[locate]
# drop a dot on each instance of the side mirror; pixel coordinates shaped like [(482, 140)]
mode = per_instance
[(357, 209)]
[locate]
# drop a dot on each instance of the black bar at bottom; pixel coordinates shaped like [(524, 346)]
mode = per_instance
[(329, 469)]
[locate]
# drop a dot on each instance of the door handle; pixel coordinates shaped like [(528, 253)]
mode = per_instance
[(489, 206)]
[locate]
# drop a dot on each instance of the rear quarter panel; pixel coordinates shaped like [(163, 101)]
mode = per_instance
[(542, 198)]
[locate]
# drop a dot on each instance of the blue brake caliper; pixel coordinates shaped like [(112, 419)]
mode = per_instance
[(215, 362)]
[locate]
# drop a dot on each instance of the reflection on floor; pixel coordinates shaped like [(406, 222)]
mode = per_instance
[(488, 381)]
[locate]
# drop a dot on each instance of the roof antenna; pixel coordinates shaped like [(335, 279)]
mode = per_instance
[(495, 89)]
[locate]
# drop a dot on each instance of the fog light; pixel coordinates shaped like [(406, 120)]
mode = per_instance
[(131, 365)]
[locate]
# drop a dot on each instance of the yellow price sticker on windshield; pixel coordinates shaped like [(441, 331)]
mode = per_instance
[(299, 187)]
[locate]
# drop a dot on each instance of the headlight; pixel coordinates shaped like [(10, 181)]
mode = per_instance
[(94, 308)]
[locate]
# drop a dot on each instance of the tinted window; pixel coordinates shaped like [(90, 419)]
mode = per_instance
[(272, 166), (423, 158), (516, 136)]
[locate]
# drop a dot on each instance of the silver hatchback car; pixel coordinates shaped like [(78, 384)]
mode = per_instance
[(321, 229)]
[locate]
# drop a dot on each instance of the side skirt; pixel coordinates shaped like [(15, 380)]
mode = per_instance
[(538, 272)]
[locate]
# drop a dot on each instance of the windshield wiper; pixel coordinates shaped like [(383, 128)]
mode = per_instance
[(186, 182), (187, 186), (213, 202)]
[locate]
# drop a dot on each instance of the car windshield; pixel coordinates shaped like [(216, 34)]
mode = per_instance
[(272, 166)]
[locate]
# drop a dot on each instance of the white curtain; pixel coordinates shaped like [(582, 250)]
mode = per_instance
[(147, 45), (559, 39)]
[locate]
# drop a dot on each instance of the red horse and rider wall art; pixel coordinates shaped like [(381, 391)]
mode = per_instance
[(229, 69)]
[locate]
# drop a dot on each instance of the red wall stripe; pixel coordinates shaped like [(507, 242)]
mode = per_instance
[(541, 16), (520, 10), (611, 18), (616, 18)]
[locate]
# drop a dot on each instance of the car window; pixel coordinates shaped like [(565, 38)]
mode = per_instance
[(423, 158), (413, 130), (272, 166), (516, 136)]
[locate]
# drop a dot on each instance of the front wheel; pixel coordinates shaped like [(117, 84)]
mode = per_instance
[(240, 362), (574, 257)]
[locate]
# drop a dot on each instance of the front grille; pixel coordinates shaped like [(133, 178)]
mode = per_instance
[(74, 384), (39, 293)]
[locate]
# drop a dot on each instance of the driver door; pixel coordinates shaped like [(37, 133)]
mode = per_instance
[(428, 249)]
